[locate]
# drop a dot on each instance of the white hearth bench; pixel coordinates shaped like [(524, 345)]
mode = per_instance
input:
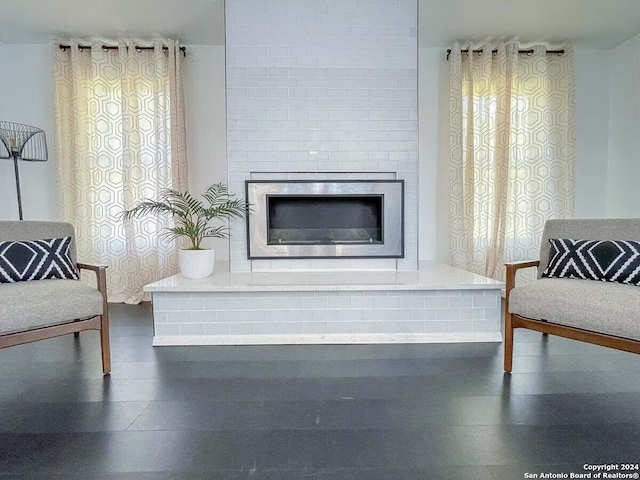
[(438, 303)]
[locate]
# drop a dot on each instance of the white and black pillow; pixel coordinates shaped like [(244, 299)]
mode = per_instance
[(25, 260), (604, 260)]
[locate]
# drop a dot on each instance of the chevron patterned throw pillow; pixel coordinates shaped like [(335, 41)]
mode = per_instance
[(25, 260), (604, 260)]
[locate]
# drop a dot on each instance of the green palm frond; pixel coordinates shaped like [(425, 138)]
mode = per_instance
[(218, 232), (191, 215), (182, 201), (150, 207), (217, 194), (230, 209)]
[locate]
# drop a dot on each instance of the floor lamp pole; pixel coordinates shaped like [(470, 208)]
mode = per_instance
[(15, 168), (22, 142)]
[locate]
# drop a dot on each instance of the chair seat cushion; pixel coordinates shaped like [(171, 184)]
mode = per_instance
[(28, 305), (602, 307)]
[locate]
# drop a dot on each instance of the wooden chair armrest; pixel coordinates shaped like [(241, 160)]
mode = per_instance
[(512, 268), (522, 264), (94, 267), (101, 275)]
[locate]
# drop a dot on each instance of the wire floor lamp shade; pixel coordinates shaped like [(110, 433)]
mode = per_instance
[(22, 142)]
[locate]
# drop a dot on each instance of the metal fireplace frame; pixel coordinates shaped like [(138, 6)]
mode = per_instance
[(392, 192)]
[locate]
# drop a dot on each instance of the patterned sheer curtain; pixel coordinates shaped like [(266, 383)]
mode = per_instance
[(512, 152), (120, 138)]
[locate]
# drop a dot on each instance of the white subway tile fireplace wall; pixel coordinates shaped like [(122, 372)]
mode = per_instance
[(322, 91)]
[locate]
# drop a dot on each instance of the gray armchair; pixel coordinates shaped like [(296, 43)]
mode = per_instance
[(597, 312), (39, 309)]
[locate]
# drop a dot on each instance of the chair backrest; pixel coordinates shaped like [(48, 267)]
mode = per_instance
[(601, 229), (35, 230)]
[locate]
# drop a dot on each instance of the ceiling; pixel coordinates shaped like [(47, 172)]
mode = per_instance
[(590, 23), (194, 22)]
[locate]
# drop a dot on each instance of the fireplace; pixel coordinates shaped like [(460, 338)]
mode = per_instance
[(325, 219)]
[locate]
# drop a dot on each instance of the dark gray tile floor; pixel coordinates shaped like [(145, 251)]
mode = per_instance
[(380, 412)]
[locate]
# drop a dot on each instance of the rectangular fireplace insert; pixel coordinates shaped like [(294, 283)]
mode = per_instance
[(325, 219)]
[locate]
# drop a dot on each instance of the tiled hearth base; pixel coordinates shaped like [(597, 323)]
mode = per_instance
[(436, 304)]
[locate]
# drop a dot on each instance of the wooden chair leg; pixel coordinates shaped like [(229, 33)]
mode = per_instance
[(104, 343), (508, 343)]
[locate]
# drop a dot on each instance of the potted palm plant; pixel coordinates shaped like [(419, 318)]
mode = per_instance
[(193, 220)]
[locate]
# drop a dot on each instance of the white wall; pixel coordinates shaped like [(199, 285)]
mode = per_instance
[(592, 132), (624, 130), (26, 90), (205, 105), (433, 97)]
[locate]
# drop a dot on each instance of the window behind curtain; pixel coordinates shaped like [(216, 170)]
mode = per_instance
[(513, 147), (117, 117)]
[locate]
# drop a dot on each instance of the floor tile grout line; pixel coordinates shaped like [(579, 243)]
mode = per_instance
[(138, 416), (491, 472)]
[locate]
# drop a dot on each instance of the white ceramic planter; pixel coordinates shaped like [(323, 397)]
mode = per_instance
[(196, 263)]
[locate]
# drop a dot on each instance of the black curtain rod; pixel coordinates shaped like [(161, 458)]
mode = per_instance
[(529, 51), (114, 47)]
